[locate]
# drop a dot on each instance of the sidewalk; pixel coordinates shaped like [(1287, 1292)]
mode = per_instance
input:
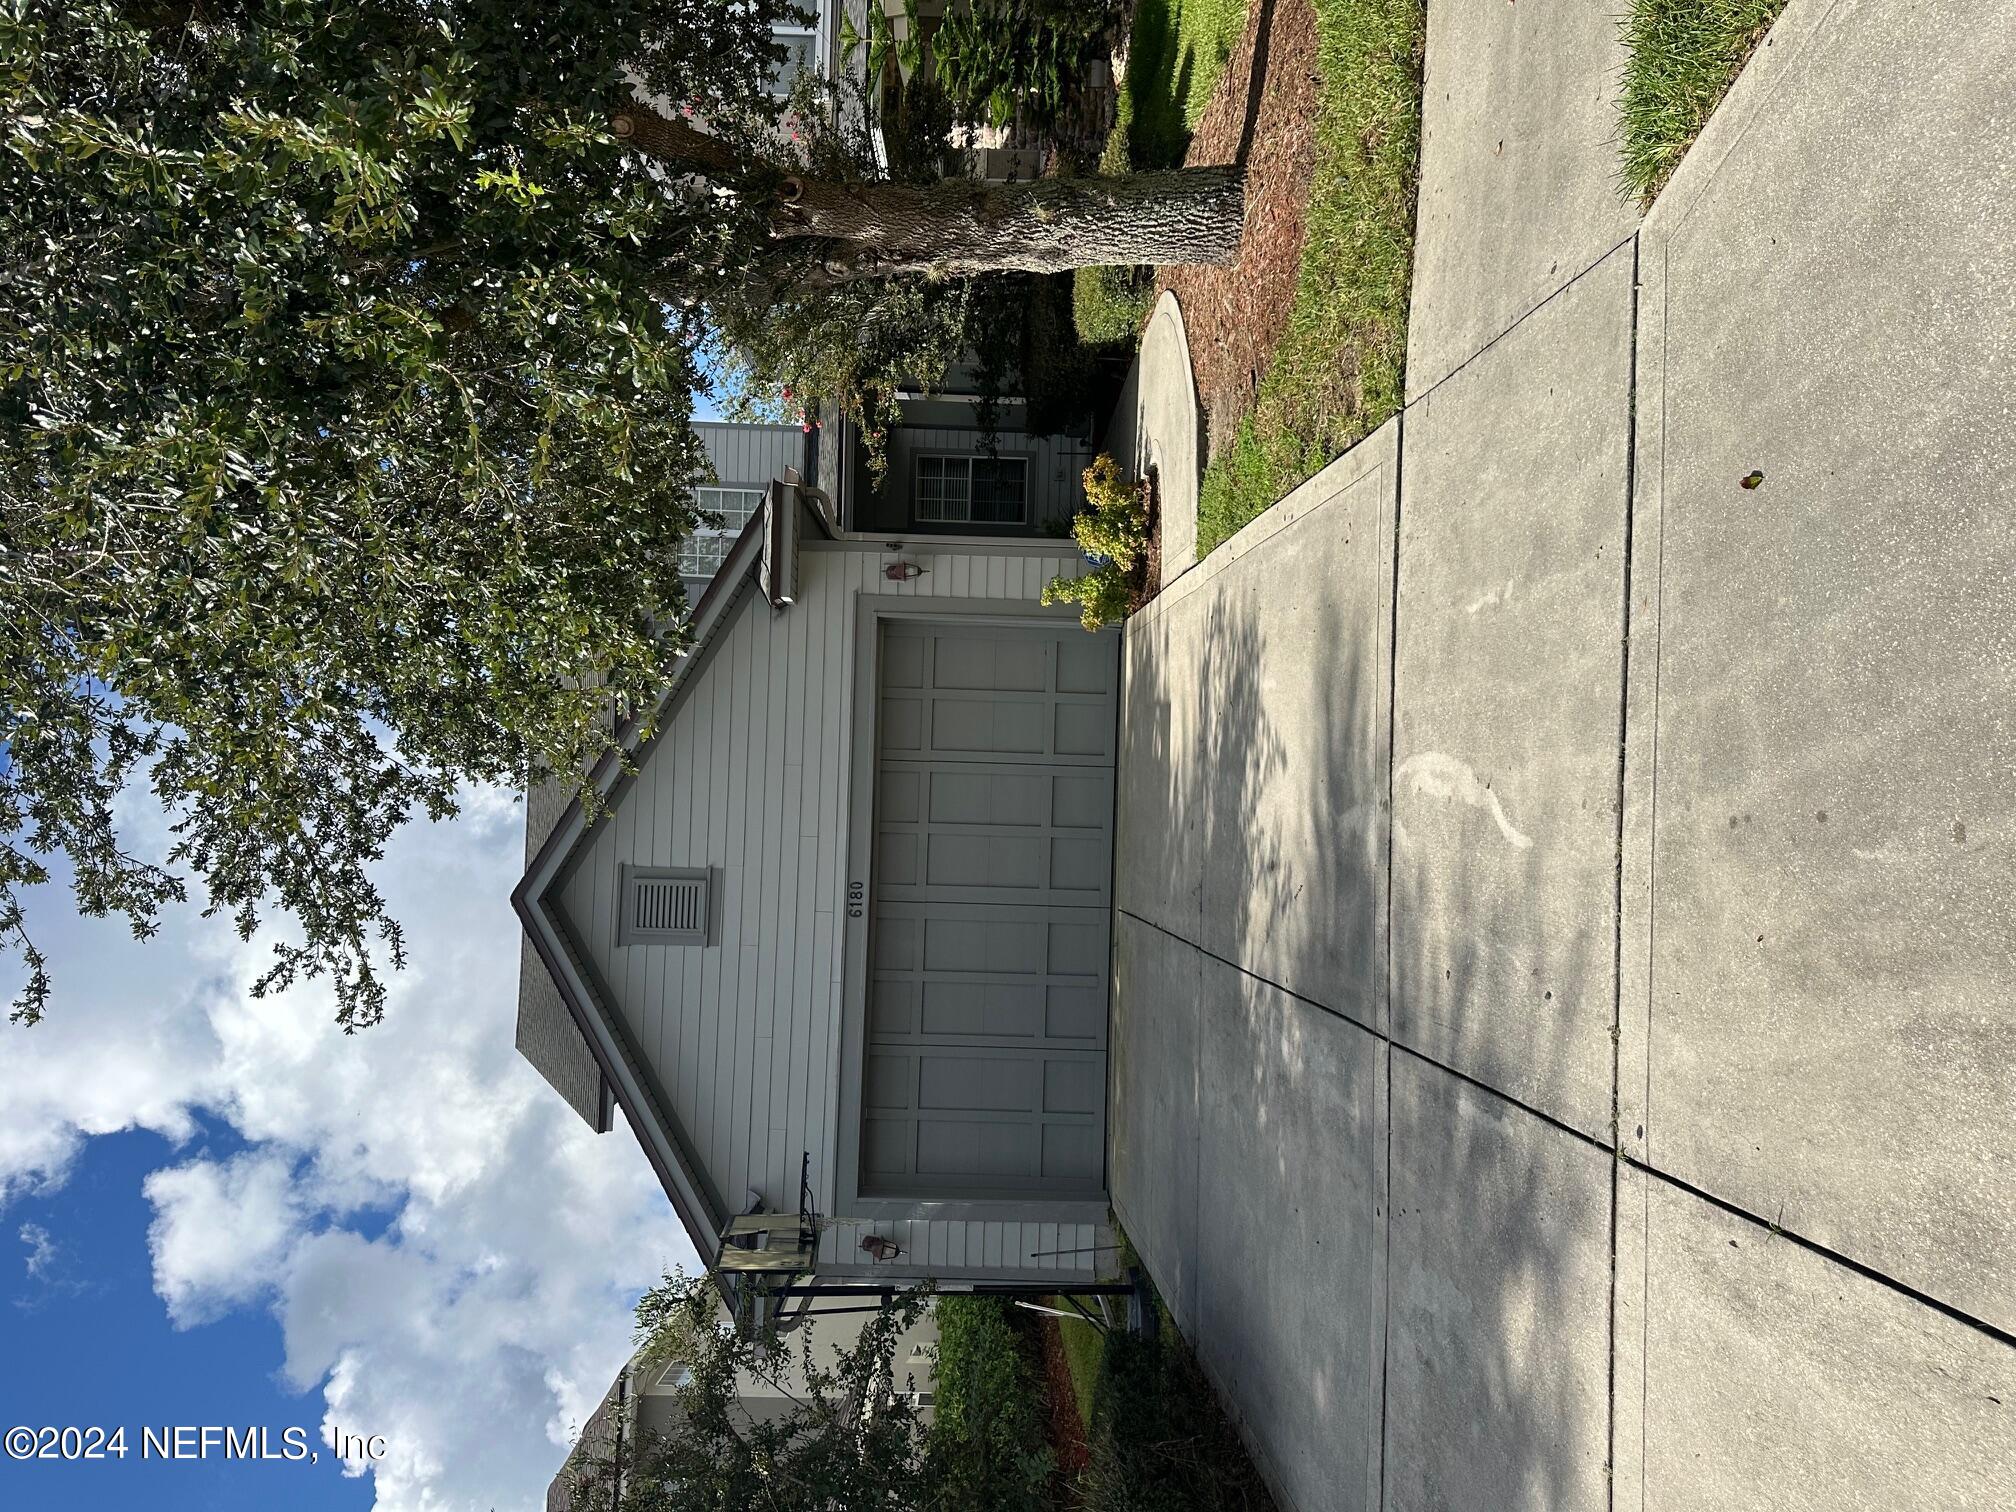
[(1525, 792)]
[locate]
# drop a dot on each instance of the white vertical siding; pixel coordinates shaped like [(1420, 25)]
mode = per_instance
[(750, 779), (749, 456)]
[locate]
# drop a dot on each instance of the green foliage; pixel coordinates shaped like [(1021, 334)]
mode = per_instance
[(853, 1443), (986, 1442), (1159, 1440), (1110, 305), (1339, 371), (1084, 1349), (1683, 56), (1062, 378), (1176, 49), (345, 364), (1113, 531), (994, 55)]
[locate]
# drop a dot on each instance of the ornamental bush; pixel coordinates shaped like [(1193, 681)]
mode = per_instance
[(1112, 530)]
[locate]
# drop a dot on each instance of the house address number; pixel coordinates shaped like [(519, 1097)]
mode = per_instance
[(855, 893)]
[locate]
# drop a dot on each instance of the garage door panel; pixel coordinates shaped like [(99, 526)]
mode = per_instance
[(993, 664), (1074, 1013), (1073, 1153), (1083, 730), (1016, 862), (1080, 865), (902, 661), (892, 1009), (1015, 799), (899, 794), (983, 1010), (994, 946), (990, 913), (969, 1148), (896, 859), (903, 724), (987, 727), (1072, 1084), (977, 1083), (998, 833), (1086, 666)]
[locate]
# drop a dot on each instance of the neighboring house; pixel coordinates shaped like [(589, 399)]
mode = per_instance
[(642, 1403), (746, 458), (946, 476), (850, 916)]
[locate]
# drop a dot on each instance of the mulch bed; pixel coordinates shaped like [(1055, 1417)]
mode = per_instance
[(1067, 1432), (1234, 316), (1148, 574)]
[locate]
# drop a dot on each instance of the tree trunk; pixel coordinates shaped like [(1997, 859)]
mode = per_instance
[(959, 226)]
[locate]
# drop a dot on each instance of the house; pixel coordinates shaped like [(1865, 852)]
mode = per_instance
[(838, 946), (642, 1403), (745, 458), (947, 474)]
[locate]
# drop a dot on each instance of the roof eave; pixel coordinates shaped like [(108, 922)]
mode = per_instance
[(674, 1166)]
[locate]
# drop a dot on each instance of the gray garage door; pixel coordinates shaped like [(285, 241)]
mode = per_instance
[(991, 885)]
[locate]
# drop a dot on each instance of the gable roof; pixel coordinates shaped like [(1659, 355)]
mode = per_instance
[(763, 561)]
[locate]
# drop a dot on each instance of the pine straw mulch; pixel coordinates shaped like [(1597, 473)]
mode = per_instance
[(1235, 316)]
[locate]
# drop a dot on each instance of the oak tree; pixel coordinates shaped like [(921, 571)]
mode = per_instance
[(347, 352)]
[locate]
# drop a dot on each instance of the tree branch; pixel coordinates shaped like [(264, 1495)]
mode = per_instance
[(673, 141)]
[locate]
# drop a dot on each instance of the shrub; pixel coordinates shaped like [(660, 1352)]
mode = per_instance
[(986, 1444), (994, 55), (1112, 530), (1110, 305), (1160, 1441)]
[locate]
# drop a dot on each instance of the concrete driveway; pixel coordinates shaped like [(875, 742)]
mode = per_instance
[(1565, 1053)]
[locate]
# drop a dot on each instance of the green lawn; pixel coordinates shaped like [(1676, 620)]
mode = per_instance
[(1684, 55), (1083, 1347), (1339, 372), (1176, 49)]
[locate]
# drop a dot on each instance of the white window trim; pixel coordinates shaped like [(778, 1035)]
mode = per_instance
[(781, 30), (698, 562)]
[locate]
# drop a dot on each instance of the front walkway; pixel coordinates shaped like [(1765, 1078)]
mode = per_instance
[(1526, 790)]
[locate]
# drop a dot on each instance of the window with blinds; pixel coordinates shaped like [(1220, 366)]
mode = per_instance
[(972, 490), (703, 552)]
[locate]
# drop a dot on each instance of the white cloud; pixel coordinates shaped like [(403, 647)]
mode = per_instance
[(219, 1231), (41, 1251), (481, 1321)]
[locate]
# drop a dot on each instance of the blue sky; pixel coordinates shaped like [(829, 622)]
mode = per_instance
[(103, 1350), (220, 1210)]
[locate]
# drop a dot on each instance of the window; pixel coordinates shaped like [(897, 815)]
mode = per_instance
[(975, 490), (799, 43), (703, 552)]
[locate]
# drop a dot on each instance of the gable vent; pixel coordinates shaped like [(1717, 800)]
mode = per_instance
[(663, 906)]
